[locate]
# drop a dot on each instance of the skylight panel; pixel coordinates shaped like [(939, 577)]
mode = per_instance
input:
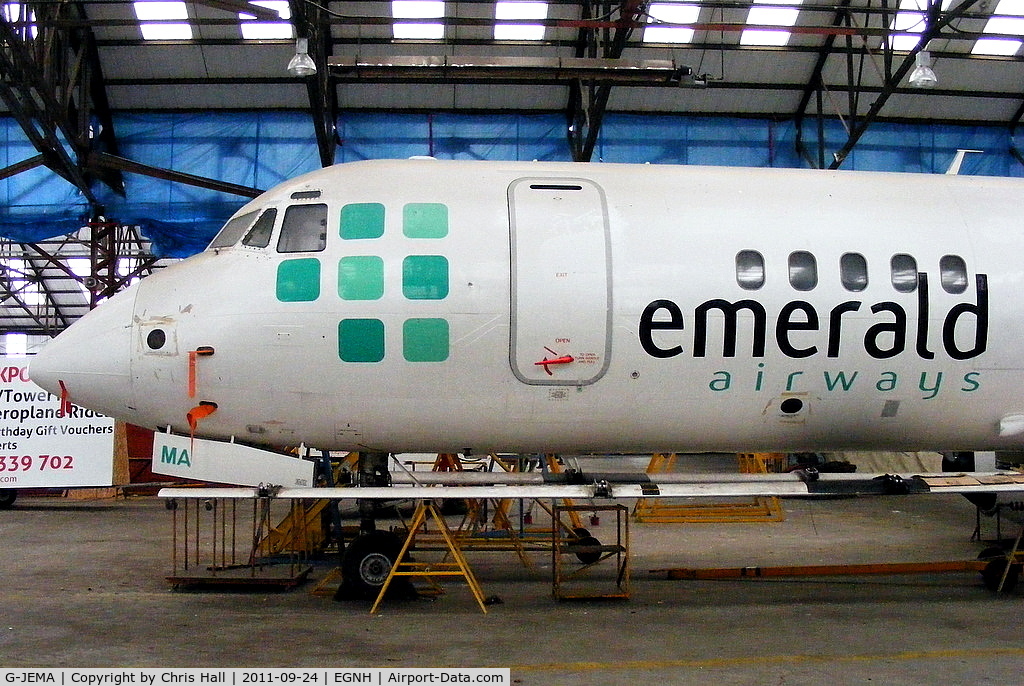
[(1008, 18), (670, 13), (253, 30), (522, 9), (781, 13), (910, 20), (418, 9), (14, 12), (16, 344), (158, 11)]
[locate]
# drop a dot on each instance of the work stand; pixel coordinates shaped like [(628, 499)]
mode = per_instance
[(570, 582), (429, 570), (215, 541)]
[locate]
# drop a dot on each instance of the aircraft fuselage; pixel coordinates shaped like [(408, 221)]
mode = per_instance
[(449, 306)]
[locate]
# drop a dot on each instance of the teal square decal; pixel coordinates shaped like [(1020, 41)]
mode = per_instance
[(362, 220), (425, 277), (425, 220), (361, 340), (298, 280), (425, 340), (361, 277)]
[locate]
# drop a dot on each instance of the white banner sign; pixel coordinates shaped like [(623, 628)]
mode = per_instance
[(43, 447), (227, 463)]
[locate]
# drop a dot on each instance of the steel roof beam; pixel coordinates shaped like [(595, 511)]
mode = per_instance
[(588, 101), (53, 86), (815, 82), (46, 317), (530, 70), (24, 165), (100, 160), (314, 23), (935, 21)]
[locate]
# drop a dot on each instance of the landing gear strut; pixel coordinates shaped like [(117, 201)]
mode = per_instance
[(367, 560)]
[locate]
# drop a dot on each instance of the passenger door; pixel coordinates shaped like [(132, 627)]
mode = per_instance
[(561, 281)]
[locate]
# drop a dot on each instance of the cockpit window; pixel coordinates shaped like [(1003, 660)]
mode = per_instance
[(233, 230), (304, 229), (259, 234)]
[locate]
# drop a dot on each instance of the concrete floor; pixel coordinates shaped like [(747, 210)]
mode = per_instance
[(83, 585)]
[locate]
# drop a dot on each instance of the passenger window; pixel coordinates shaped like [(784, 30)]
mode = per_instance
[(749, 269), (953, 272), (232, 231), (803, 271), (904, 273), (259, 234), (304, 229), (853, 270)]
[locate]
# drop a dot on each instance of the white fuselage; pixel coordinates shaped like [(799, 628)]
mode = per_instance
[(680, 308)]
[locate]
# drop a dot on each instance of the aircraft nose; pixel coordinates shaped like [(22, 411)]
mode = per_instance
[(91, 359)]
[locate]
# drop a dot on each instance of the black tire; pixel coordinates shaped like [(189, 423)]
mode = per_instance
[(7, 498), (993, 552), (587, 557), (366, 563), (993, 574)]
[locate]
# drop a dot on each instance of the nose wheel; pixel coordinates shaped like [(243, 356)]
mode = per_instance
[(368, 559), (365, 566)]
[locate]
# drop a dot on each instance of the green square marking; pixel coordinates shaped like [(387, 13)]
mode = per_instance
[(361, 277), (425, 220), (361, 340), (298, 280), (362, 220), (425, 277), (425, 340)]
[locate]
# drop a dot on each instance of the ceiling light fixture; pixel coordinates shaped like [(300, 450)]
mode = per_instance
[(302, 64), (923, 75)]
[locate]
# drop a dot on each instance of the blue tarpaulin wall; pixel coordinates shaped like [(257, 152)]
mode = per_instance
[(262, 149)]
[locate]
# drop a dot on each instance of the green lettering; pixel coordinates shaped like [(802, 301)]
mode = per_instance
[(722, 383), (887, 382), (792, 380), (971, 379), (168, 455), (934, 390), (840, 380)]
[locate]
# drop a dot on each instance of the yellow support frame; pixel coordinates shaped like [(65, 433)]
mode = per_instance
[(760, 509), (428, 570)]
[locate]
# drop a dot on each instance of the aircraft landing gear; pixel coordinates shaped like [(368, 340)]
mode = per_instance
[(7, 498), (367, 560), (366, 563)]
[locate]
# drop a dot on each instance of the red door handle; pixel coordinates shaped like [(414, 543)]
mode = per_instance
[(564, 359)]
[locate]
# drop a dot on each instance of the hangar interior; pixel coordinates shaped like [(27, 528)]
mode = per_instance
[(132, 130)]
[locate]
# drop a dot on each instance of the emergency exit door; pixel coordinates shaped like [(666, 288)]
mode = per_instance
[(561, 281)]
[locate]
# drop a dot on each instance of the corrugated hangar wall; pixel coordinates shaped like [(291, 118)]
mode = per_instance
[(262, 149)]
